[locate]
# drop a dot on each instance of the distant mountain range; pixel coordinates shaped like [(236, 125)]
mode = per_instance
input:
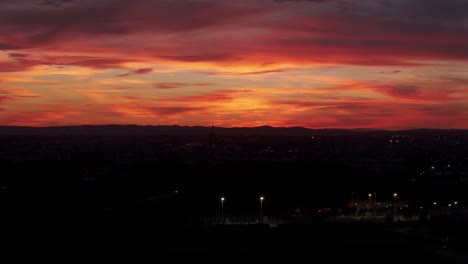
[(134, 130)]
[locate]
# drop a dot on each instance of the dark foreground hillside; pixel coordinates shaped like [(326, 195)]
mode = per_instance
[(143, 242)]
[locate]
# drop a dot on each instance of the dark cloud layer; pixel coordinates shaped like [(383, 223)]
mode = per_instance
[(54, 2), (316, 1), (376, 32)]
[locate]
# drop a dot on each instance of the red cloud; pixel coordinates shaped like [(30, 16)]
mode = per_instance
[(249, 73), (174, 85), (15, 66), (223, 95), (372, 114), (139, 71), (26, 63), (13, 94), (91, 62), (18, 55), (173, 110), (143, 71), (43, 116), (4, 98), (417, 93)]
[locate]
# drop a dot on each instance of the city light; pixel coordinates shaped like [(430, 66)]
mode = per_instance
[(222, 199)]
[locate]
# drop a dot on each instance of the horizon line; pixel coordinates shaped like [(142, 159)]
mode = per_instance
[(233, 127)]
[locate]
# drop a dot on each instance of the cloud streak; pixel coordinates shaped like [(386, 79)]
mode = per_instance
[(281, 70), (55, 3), (173, 110), (175, 85), (136, 72)]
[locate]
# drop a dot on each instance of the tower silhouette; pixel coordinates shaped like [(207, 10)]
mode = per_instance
[(212, 137)]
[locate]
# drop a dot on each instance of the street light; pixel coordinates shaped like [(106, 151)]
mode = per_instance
[(222, 209), (261, 208), (370, 199), (395, 195)]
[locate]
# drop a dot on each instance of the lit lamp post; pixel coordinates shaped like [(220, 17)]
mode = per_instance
[(395, 196), (353, 204), (222, 209), (370, 199), (261, 209)]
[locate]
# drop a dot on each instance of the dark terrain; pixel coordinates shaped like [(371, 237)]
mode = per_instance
[(80, 195)]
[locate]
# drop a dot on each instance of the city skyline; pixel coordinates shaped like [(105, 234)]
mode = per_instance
[(316, 64)]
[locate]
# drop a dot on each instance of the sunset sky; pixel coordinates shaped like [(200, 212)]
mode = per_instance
[(393, 64)]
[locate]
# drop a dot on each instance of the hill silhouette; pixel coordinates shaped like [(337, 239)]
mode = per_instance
[(135, 130)]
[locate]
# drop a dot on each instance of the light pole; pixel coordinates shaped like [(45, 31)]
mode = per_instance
[(261, 209), (370, 199), (395, 195), (354, 204), (222, 209)]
